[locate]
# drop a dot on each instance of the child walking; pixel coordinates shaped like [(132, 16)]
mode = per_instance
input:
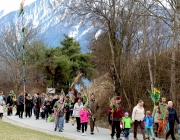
[(84, 120), (126, 125), (149, 125)]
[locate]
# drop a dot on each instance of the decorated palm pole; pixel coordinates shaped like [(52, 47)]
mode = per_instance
[(21, 15), (155, 96)]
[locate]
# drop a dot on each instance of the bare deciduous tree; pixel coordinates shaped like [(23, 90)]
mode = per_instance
[(10, 52)]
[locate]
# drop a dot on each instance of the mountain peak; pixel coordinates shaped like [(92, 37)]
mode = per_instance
[(52, 25)]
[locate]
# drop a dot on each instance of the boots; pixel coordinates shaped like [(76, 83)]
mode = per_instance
[(156, 134)]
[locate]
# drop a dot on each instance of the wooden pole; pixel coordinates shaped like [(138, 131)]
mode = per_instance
[(23, 56)]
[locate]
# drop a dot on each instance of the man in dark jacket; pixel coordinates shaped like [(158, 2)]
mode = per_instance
[(117, 114), (9, 104), (28, 102), (21, 104), (37, 105), (172, 118)]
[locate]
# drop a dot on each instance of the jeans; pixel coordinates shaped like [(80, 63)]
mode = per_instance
[(71, 112), (34, 110), (37, 112), (126, 132), (63, 122), (149, 131), (59, 122)]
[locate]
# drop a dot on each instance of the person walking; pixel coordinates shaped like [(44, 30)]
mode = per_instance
[(110, 122), (9, 104), (59, 114), (149, 125), (47, 107), (171, 119), (67, 106), (137, 118), (21, 104), (94, 106), (155, 119), (28, 102), (76, 110), (84, 119), (34, 98), (37, 105), (127, 121), (116, 117), (162, 113), (2, 103)]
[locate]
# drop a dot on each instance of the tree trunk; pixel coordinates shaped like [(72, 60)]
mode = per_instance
[(151, 75), (145, 49), (173, 60), (173, 78)]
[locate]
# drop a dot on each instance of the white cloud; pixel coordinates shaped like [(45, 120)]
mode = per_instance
[(12, 5)]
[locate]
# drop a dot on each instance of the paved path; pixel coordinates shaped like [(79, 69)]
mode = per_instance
[(69, 130)]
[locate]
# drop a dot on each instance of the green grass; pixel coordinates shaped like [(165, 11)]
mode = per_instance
[(13, 132)]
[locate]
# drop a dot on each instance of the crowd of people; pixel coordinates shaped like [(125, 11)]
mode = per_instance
[(163, 117), (63, 107)]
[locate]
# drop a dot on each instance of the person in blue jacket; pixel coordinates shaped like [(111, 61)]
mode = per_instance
[(171, 119), (149, 125)]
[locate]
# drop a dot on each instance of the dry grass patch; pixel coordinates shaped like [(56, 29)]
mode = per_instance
[(13, 132)]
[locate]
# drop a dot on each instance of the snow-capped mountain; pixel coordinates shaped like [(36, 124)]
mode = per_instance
[(40, 14)]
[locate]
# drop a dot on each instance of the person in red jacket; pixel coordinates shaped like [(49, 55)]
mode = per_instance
[(116, 116)]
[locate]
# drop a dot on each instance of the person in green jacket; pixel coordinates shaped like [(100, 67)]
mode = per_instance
[(127, 121), (162, 114)]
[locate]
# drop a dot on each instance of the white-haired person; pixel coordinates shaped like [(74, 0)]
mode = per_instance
[(171, 119)]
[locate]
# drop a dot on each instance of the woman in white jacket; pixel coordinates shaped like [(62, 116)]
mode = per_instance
[(138, 119), (76, 110)]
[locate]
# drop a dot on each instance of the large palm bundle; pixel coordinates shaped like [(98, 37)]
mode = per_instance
[(155, 96)]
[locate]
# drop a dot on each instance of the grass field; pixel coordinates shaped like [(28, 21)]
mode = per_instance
[(13, 132)]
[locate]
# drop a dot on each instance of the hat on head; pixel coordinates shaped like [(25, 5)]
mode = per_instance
[(126, 114), (118, 97)]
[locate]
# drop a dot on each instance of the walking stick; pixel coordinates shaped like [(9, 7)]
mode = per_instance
[(96, 127)]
